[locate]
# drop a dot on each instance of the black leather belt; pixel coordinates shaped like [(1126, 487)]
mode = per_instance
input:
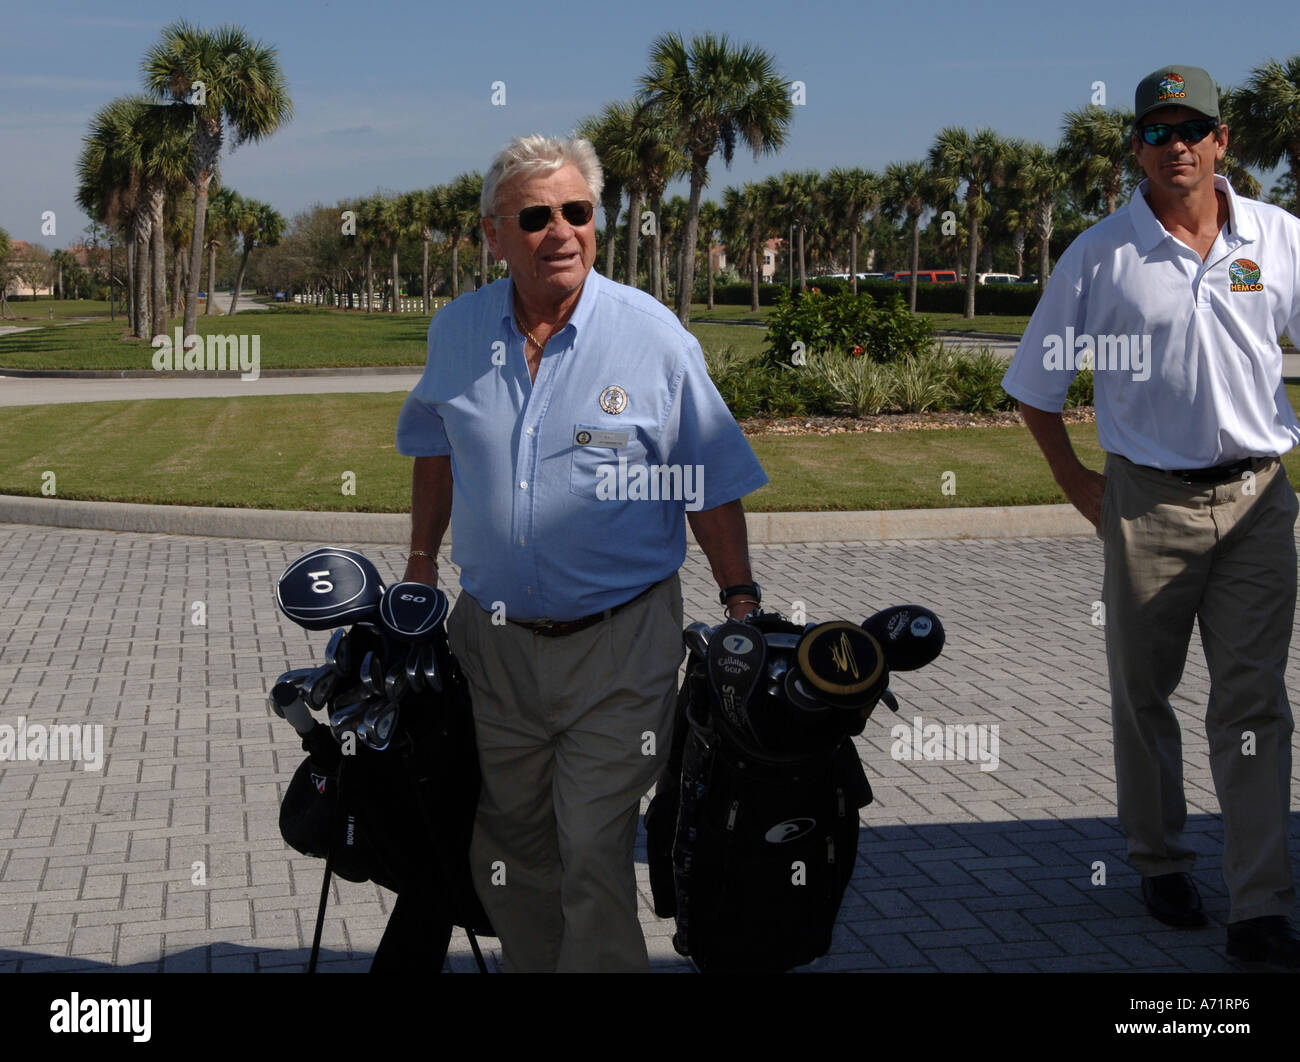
[(1217, 474), (557, 628)]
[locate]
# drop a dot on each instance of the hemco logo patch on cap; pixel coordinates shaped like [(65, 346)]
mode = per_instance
[(1172, 87)]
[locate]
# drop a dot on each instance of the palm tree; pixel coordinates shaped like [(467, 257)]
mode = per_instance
[(386, 218), (799, 201), (603, 130), (458, 214), (746, 214), (1264, 116), (243, 86), (1096, 150), (978, 162), (672, 227), (710, 221), (1039, 175), (852, 193), (6, 249), (419, 212), (906, 187), (368, 232), (224, 207), (110, 188), (712, 96), (260, 225)]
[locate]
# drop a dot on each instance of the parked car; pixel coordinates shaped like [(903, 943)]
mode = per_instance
[(929, 276), (997, 278)]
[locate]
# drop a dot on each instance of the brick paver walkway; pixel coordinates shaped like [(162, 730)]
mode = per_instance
[(170, 857)]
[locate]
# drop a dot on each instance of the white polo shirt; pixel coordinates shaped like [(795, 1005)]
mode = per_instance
[(1187, 366)]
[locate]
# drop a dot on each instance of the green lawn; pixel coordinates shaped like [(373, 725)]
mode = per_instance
[(287, 339), (291, 452), (27, 312), (995, 323)]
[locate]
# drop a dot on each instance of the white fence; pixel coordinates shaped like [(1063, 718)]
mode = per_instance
[(404, 305)]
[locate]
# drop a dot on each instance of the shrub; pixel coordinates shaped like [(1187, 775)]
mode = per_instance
[(921, 381), (1080, 392), (863, 387), (846, 325), (976, 382)]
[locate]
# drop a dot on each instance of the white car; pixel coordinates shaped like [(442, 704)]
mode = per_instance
[(997, 278)]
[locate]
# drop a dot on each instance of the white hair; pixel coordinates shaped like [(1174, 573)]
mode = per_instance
[(536, 154)]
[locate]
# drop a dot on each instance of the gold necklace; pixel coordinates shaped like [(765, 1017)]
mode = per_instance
[(529, 334)]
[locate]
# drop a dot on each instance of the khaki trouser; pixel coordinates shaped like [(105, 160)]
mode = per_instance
[(571, 732), (1226, 557)]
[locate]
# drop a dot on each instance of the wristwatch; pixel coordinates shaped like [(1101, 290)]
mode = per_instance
[(752, 589)]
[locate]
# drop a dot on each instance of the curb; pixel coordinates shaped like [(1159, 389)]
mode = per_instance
[(765, 529)]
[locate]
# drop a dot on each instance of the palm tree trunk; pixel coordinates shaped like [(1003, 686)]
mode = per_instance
[(972, 259), (1044, 241), (689, 239), (370, 281), (611, 234), (916, 257), (239, 277), (424, 270), (633, 237), (455, 265), (397, 284), (158, 262), (482, 261), (803, 271), (143, 232), (129, 299), (853, 259), (753, 278), (177, 305), (212, 278)]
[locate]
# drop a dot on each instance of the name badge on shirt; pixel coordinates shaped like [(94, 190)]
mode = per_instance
[(599, 437)]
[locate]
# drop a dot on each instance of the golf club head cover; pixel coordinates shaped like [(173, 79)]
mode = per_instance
[(329, 587), (410, 611), (911, 635), (734, 664)]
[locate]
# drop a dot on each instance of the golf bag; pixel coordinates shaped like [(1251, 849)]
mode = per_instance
[(752, 833), (389, 789)]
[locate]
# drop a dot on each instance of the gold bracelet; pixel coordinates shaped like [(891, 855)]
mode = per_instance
[(421, 553)]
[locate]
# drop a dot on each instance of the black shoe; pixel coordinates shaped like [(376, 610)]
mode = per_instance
[(1271, 939), (1173, 900)]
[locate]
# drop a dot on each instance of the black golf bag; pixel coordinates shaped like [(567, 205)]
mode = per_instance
[(389, 795), (752, 832)]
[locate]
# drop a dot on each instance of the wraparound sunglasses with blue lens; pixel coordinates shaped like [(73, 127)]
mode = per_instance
[(1192, 132), (536, 218)]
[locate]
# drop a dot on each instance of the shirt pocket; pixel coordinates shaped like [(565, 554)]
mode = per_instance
[(595, 456)]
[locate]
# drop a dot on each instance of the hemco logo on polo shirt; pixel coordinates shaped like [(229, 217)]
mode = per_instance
[(1243, 275), (1172, 87)]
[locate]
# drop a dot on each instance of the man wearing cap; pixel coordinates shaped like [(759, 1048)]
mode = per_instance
[(1178, 299), (566, 426)]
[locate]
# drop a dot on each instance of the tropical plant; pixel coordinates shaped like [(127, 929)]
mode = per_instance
[(712, 95), (1097, 155), (261, 225), (1263, 116), (230, 83), (905, 188), (851, 193), (978, 162)]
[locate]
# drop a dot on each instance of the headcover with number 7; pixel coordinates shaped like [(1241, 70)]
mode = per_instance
[(735, 660)]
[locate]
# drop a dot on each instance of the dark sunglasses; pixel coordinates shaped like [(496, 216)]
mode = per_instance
[(1192, 132), (536, 218)]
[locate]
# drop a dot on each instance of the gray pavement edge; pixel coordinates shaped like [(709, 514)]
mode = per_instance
[(1029, 521)]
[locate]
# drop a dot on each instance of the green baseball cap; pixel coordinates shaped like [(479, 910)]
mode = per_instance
[(1176, 86)]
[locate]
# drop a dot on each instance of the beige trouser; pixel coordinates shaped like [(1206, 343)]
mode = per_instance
[(1226, 557), (571, 732)]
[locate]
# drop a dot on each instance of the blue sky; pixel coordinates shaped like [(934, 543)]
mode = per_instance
[(398, 95)]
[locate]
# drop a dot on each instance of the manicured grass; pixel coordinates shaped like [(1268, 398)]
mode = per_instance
[(996, 323), (27, 312), (728, 313), (291, 452), (288, 339)]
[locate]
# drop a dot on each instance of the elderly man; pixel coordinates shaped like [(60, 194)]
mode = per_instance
[(566, 425), (1181, 297)]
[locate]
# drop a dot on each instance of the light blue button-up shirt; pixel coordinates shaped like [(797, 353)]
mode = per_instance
[(570, 491)]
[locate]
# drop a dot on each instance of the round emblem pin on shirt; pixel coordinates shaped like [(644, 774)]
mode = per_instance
[(613, 399), (582, 438)]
